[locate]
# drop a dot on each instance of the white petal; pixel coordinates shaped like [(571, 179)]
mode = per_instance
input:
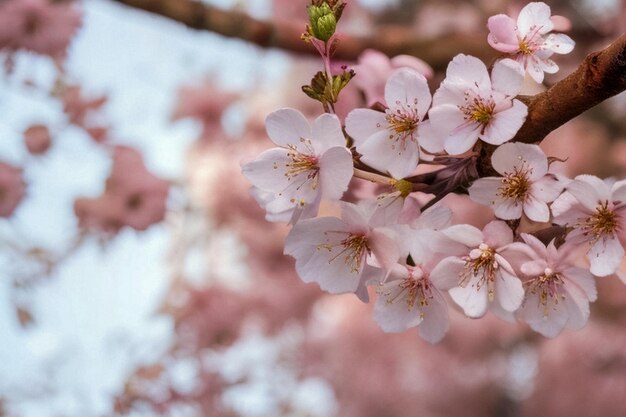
[(447, 273), (287, 126), (497, 234), (335, 171), (605, 256), (589, 190), (363, 123), (547, 188), (509, 156), (262, 174), (408, 88), (474, 302), (509, 291), (466, 234), (435, 321), (536, 210), (559, 43), (508, 209), (534, 17), (470, 71), (507, 77), (327, 133), (505, 124), (429, 138), (462, 139)]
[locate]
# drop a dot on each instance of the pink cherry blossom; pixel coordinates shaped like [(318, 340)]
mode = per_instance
[(12, 188), (471, 105), (338, 254), (529, 40), (310, 163), (557, 293), (484, 277), (41, 26), (374, 68), (389, 141), (525, 184), (596, 209)]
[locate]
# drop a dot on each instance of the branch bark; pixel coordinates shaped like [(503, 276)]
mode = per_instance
[(601, 75), (286, 35)]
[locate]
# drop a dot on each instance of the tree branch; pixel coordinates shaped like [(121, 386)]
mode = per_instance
[(601, 75), (286, 35)]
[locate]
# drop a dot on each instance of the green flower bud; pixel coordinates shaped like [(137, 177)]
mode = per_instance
[(322, 22)]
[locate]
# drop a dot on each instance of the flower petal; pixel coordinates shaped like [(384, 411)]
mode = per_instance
[(327, 133), (502, 36), (335, 171), (505, 124), (287, 126), (605, 256), (534, 17), (507, 77), (407, 88), (363, 123)]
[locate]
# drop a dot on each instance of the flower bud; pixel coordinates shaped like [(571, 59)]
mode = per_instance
[(322, 21)]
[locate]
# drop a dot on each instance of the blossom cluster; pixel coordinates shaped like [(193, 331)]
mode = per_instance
[(402, 241)]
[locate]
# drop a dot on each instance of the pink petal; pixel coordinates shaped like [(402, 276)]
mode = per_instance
[(394, 316), (384, 248), (287, 126), (388, 155), (485, 191), (436, 218), (429, 138), (502, 36), (435, 321), (508, 209), (584, 280), (462, 139), (618, 192), (447, 273), (410, 61), (466, 234), (534, 68), (505, 124), (450, 93), (509, 291), (261, 172), (536, 210), (547, 188), (497, 234)]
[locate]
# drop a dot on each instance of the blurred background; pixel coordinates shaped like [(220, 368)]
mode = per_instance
[(138, 276)]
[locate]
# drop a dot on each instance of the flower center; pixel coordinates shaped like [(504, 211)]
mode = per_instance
[(402, 122), (515, 185), (414, 290), (547, 287), (481, 262), (353, 250), (603, 222), (478, 110)]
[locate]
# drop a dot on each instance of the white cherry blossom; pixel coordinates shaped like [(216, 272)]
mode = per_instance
[(525, 185), (308, 164), (390, 141), (470, 105)]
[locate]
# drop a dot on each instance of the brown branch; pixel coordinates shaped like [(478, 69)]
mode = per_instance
[(601, 75), (286, 35)]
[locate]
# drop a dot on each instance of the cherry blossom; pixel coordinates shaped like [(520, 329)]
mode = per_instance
[(343, 255), (469, 105), (596, 209), (12, 188), (389, 141), (374, 68), (525, 185), (557, 293), (485, 278), (412, 296), (310, 163), (529, 40)]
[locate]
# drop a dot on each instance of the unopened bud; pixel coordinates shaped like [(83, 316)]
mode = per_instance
[(322, 22)]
